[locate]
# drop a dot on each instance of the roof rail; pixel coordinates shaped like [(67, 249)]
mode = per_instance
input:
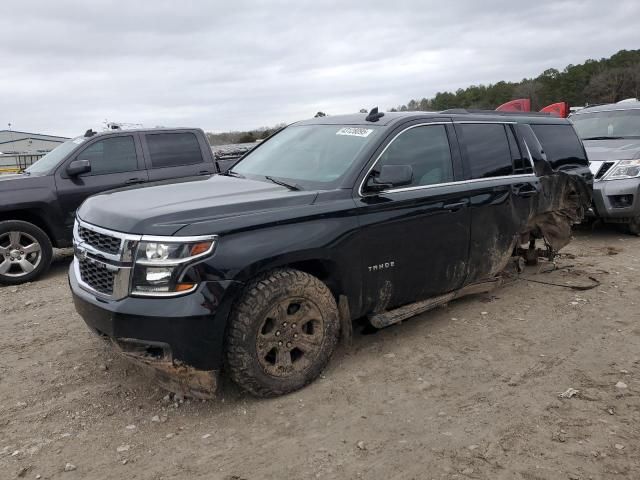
[(495, 112), (455, 110), (595, 105)]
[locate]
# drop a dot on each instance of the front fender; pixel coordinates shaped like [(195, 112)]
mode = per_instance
[(324, 247)]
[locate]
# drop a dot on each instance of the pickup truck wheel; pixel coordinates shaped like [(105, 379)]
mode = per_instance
[(25, 252), (282, 333), (634, 226)]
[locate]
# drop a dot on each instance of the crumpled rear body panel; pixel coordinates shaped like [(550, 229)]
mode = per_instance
[(563, 201)]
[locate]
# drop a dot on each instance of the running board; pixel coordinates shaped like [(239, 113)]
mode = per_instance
[(384, 319)]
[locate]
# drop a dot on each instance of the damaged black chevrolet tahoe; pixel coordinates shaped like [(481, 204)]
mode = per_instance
[(259, 272)]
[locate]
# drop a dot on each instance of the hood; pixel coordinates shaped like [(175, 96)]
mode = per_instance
[(8, 180), (612, 150), (165, 209), (33, 187), (11, 176)]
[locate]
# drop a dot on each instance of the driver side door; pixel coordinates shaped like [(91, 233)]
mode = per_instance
[(415, 238), (116, 161)]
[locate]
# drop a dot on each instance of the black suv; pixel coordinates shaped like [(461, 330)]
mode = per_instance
[(261, 270), (38, 206)]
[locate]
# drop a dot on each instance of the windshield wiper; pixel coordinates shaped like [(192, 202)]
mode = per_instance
[(290, 186), (603, 137)]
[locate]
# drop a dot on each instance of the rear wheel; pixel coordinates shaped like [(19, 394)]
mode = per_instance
[(282, 333), (25, 252)]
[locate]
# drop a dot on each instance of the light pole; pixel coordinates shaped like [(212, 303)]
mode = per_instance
[(14, 152)]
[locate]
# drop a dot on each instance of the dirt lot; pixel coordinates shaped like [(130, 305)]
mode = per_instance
[(466, 391)]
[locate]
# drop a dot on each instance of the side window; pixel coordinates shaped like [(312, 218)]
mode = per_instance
[(487, 149), (426, 150), (521, 163), (561, 144), (111, 155), (173, 149)]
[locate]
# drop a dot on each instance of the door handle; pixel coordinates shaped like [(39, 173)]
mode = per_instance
[(456, 206), (524, 190), (204, 172), (133, 181)]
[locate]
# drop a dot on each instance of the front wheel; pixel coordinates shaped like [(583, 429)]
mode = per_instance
[(25, 252), (282, 333), (633, 227)]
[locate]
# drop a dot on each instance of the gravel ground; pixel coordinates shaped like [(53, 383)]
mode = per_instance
[(467, 391)]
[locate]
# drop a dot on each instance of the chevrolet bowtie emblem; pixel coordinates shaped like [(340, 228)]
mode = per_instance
[(81, 253)]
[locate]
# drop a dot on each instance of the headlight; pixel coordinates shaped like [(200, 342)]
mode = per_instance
[(624, 169), (161, 264)]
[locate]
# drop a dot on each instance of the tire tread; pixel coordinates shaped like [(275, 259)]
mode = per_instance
[(256, 297)]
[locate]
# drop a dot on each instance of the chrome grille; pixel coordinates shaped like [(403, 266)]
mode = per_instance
[(103, 259), (97, 276), (99, 240)]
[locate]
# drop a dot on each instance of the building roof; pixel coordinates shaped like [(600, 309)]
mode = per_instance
[(14, 135)]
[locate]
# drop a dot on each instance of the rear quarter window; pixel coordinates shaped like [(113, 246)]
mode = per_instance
[(561, 145)]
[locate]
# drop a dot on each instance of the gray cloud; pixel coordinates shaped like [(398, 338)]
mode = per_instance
[(68, 65)]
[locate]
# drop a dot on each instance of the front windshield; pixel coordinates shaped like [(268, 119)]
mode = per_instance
[(55, 156), (614, 124), (311, 155)]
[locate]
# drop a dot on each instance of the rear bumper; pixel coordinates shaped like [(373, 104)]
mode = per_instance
[(616, 200), (180, 340)]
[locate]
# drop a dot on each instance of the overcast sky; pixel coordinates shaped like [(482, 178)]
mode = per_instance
[(67, 65)]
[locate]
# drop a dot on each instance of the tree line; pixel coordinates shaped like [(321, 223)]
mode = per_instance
[(595, 81), (248, 136)]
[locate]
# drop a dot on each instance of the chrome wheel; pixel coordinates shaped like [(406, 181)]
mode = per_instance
[(20, 254), (290, 337)]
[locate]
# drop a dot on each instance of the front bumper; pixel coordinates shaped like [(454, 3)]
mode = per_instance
[(616, 200), (179, 339)]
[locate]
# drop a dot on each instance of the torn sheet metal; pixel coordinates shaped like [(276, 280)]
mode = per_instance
[(562, 203), (171, 375)]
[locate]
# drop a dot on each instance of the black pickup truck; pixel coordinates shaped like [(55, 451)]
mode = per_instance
[(38, 206), (260, 271)]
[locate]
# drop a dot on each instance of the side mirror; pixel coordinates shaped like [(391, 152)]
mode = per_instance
[(390, 176), (77, 167)]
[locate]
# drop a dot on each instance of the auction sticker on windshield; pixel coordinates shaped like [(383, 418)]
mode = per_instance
[(355, 132)]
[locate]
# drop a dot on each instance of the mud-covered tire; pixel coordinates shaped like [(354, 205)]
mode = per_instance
[(633, 227), (270, 301), (32, 245)]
